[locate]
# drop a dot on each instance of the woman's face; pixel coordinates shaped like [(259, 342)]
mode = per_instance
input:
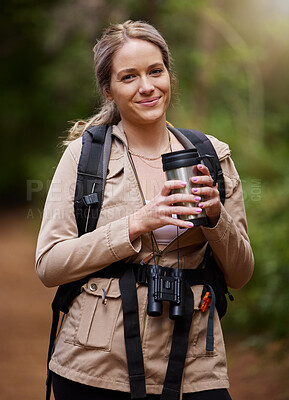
[(140, 83)]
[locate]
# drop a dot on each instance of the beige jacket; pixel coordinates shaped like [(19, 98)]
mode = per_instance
[(91, 347)]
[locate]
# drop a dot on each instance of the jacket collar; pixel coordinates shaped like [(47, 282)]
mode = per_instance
[(118, 131)]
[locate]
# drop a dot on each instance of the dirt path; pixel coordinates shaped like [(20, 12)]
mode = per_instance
[(25, 323)]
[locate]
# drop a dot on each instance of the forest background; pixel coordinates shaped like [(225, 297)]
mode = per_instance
[(232, 61)]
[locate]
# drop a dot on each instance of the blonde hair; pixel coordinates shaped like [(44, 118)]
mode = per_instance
[(113, 38)]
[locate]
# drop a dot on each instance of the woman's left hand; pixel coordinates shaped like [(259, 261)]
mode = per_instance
[(210, 194)]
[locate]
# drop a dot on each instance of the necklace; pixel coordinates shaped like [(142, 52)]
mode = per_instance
[(150, 165), (153, 158)]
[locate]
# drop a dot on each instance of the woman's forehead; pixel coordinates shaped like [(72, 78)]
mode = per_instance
[(136, 53)]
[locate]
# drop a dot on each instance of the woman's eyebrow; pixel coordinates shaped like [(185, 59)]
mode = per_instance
[(157, 64), (125, 71)]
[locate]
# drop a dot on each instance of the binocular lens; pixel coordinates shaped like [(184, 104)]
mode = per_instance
[(155, 308), (177, 311)]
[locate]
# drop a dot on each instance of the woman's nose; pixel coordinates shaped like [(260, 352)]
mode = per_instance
[(145, 86)]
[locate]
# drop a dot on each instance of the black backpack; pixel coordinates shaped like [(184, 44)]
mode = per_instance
[(91, 177)]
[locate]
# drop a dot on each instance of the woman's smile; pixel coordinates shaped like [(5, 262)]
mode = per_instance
[(149, 102)]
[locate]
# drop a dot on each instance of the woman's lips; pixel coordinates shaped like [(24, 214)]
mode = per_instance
[(149, 102)]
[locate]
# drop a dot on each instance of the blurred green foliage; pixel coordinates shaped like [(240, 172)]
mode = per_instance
[(232, 62)]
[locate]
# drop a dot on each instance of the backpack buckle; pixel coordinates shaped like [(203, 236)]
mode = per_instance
[(90, 199)]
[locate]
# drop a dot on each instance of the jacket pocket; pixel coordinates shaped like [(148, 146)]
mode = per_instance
[(198, 331), (100, 310)]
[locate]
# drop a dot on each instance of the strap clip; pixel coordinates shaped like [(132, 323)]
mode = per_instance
[(90, 199)]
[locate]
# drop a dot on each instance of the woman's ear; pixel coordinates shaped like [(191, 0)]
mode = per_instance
[(108, 95)]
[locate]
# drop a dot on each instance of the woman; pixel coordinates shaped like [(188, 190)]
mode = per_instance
[(132, 65)]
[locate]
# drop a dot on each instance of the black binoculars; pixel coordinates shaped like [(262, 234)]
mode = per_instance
[(165, 284)]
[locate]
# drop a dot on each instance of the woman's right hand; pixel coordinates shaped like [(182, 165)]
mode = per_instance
[(158, 212)]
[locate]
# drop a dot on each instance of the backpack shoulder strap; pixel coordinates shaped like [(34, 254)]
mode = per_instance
[(91, 174), (205, 146), (90, 183)]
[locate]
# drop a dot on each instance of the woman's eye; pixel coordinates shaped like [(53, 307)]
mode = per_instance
[(156, 71), (127, 78)]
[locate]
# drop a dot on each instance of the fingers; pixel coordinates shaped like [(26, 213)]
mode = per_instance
[(205, 171), (168, 203), (165, 208), (211, 203), (169, 185), (210, 194), (204, 179), (168, 197), (169, 220), (157, 214), (203, 196), (206, 191), (182, 210), (181, 198)]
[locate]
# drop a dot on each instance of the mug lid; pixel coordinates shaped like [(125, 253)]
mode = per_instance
[(179, 159)]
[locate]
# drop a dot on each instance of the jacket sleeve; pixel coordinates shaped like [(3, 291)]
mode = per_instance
[(62, 256), (229, 238)]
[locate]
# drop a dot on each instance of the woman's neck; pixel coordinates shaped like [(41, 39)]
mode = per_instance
[(148, 140)]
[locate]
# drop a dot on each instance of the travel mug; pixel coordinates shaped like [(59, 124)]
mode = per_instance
[(182, 165)]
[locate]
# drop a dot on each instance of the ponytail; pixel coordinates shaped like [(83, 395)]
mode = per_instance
[(108, 114)]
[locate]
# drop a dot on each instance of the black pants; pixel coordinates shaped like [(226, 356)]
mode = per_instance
[(64, 389)]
